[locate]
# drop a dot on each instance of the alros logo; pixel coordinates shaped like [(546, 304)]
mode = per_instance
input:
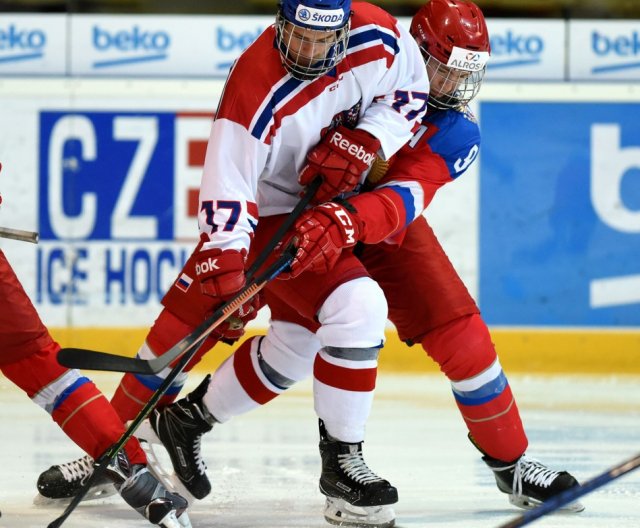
[(468, 65), (18, 45)]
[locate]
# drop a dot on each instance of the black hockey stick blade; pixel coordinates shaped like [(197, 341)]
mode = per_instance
[(572, 494), (83, 358), (93, 360)]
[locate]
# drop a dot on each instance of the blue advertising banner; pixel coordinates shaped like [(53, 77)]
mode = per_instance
[(106, 175), (560, 214), (117, 192)]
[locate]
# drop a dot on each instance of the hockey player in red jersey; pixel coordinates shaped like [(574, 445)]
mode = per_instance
[(324, 91), (28, 359), (428, 302)]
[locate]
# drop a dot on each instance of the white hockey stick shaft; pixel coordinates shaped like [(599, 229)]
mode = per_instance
[(19, 234)]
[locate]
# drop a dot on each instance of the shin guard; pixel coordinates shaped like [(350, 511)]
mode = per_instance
[(73, 401), (465, 353), (135, 390)]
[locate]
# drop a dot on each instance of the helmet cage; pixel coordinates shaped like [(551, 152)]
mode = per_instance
[(310, 53), (450, 87)]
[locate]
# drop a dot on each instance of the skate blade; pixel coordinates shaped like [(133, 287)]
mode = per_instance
[(527, 503), (102, 491), (171, 521), (340, 513), (155, 451)]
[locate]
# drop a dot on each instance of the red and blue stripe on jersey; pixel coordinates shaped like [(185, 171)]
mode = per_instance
[(275, 95), (442, 149)]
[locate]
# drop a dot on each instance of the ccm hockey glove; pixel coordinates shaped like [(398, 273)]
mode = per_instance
[(221, 275), (340, 158), (321, 234)]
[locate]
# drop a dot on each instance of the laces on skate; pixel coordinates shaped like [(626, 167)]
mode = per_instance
[(61, 482), (355, 467)]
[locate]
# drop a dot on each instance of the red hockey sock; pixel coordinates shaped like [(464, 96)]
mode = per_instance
[(466, 355), (88, 418), (135, 390), (73, 401)]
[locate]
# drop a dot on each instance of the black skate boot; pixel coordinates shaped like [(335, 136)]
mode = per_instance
[(142, 491), (63, 481), (356, 496), (179, 427), (528, 482)]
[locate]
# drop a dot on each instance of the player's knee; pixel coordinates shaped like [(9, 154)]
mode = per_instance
[(289, 349), (462, 348), (354, 315)]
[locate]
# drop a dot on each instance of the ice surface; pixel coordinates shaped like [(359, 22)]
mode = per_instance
[(265, 465)]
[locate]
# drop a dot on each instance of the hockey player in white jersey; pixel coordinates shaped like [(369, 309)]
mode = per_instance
[(322, 92), (428, 302)]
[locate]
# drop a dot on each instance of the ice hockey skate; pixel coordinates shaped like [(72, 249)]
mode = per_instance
[(179, 428), (356, 496), (142, 491), (137, 486), (529, 482), (61, 482)]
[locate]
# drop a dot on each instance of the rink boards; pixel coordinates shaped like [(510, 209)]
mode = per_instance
[(544, 229)]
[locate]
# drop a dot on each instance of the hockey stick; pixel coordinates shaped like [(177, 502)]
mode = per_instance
[(94, 360), (187, 351), (570, 495), (278, 236), (19, 234)]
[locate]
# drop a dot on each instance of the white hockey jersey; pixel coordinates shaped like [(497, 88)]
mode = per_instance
[(267, 120)]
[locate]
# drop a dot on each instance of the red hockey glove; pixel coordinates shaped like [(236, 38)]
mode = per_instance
[(321, 234), (221, 276), (340, 157)]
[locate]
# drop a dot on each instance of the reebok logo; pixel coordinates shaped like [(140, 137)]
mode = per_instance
[(206, 266), (356, 151)]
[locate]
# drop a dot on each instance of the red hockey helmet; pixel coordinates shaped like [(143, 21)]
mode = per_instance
[(454, 40)]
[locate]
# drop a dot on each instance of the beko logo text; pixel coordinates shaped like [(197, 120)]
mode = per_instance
[(228, 41), (619, 46), (13, 38), (21, 45), (149, 46), (516, 44), (133, 40), (511, 50)]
